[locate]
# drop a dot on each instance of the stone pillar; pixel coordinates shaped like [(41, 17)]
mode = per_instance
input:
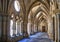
[(59, 29), (32, 27), (39, 28), (20, 26), (0, 27), (35, 28), (29, 28), (50, 29), (56, 28), (25, 26), (4, 27)]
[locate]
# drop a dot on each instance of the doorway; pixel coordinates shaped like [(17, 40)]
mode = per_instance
[(43, 29)]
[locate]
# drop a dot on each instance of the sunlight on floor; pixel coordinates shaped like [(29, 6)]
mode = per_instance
[(38, 37)]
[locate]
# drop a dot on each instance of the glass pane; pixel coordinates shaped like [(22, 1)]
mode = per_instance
[(17, 5), (11, 28), (14, 28)]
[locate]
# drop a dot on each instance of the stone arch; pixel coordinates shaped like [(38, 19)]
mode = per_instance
[(43, 23), (11, 8), (41, 9), (43, 15), (50, 26), (48, 16), (33, 5), (29, 15)]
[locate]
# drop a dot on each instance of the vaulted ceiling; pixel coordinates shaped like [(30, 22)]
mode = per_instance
[(34, 8)]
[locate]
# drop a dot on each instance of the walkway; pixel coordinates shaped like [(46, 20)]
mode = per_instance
[(38, 37)]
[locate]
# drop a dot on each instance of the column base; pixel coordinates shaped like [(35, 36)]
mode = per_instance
[(25, 35), (50, 36)]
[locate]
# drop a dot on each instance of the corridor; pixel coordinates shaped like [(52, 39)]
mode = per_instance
[(29, 20), (38, 37)]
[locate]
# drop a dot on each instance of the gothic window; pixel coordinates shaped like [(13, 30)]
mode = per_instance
[(12, 26), (15, 28), (19, 27), (17, 5)]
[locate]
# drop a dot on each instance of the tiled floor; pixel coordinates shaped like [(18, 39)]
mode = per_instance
[(38, 37)]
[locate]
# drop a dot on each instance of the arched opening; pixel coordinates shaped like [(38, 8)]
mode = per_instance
[(15, 21), (34, 15), (21, 19)]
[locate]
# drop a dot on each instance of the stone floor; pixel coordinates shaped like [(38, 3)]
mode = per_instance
[(38, 37)]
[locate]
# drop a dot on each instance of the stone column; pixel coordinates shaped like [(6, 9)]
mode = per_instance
[(29, 27), (32, 28), (0, 27), (35, 28), (56, 28), (59, 29), (21, 27), (50, 28), (25, 26), (32, 25), (4, 27)]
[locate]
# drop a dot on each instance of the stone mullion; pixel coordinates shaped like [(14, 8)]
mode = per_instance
[(37, 26)]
